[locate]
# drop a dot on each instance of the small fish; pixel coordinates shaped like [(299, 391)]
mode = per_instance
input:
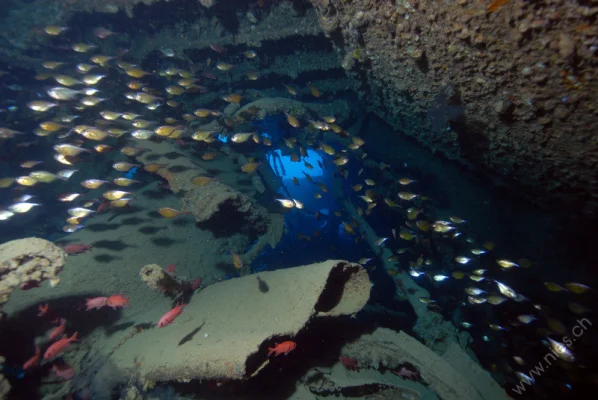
[(462, 260), (407, 196), (525, 318), (292, 120), (577, 308), (440, 278), (506, 290), (489, 246), (292, 91), (93, 183), (168, 212), (458, 274), (102, 33), (132, 151), (406, 181), (62, 93), (315, 91), (142, 134), (115, 194), (153, 168), (20, 208), (120, 202), (415, 273), (473, 291), (224, 66), (250, 167), (217, 48), (328, 149), (250, 54), (442, 227), (43, 176), (40, 105), (476, 300), (478, 252), (561, 351), (69, 150), (5, 215), (241, 137), (124, 181), (423, 225), (519, 360), (577, 287), (26, 180), (54, 30), (237, 261), (124, 166), (524, 377), (380, 242), (102, 148), (71, 228), (506, 264), (466, 324), (232, 98), (427, 300), (66, 197), (171, 315), (209, 156), (202, 180), (79, 212), (553, 287), (286, 203), (282, 348)]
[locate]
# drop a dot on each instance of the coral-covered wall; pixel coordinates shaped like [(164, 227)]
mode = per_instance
[(506, 87)]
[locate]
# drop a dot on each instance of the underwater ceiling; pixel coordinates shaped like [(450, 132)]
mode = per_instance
[(505, 88)]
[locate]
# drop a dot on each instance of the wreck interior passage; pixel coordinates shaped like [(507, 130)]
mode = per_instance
[(298, 199)]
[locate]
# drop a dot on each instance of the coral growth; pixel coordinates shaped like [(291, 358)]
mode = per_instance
[(28, 262), (522, 75), (157, 279)]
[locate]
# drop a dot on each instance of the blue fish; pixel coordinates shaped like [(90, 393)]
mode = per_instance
[(131, 173)]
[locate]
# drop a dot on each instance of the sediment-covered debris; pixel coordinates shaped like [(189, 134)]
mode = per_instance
[(207, 201), (390, 351), (155, 277), (213, 338)]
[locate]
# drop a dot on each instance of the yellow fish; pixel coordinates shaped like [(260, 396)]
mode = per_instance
[(168, 212)]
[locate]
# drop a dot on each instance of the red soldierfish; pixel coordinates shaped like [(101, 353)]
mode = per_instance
[(117, 300), (59, 346), (171, 315), (96, 302), (33, 361), (77, 248), (170, 268), (284, 347), (59, 330), (196, 284), (63, 370)]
